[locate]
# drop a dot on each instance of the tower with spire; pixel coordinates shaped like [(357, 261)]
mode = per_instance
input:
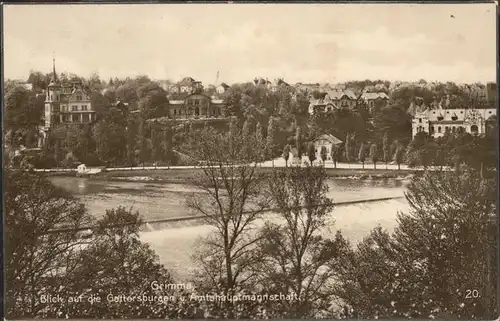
[(52, 98)]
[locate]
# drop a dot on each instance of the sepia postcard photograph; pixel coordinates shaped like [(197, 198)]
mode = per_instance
[(250, 161)]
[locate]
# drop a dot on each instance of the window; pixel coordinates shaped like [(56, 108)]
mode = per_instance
[(432, 129), (420, 120), (175, 112), (78, 97), (474, 129), (74, 119), (66, 118), (84, 107), (74, 108), (446, 129), (461, 112), (439, 129), (85, 117), (453, 129)]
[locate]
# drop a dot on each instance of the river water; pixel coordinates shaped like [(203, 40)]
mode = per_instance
[(174, 246)]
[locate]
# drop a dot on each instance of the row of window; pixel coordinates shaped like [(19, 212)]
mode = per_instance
[(75, 108), (197, 102), (78, 98), (213, 112), (447, 129), (76, 118)]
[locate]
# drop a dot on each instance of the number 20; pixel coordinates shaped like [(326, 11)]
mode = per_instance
[(471, 294)]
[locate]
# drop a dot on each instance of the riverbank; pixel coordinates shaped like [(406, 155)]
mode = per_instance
[(179, 175)]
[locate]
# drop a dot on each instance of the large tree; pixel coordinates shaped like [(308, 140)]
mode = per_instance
[(35, 259), (374, 154), (23, 112), (296, 258), (111, 141), (143, 152), (421, 150), (395, 121), (117, 262), (156, 142), (271, 138), (362, 154), (153, 101), (232, 202)]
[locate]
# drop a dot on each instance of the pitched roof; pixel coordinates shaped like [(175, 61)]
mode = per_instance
[(368, 95), (187, 81), (338, 94), (332, 139)]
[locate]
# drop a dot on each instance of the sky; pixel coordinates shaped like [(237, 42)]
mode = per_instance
[(309, 43)]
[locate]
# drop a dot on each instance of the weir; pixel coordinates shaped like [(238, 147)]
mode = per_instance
[(187, 221)]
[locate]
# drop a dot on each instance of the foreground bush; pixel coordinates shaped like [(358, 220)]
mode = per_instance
[(439, 262)]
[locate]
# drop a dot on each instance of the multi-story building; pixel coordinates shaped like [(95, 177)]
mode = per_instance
[(187, 86), (333, 99), (67, 103), (374, 100), (196, 106), (436, 122)]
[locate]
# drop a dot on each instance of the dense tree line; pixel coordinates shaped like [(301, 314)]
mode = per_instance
[(121, 137)]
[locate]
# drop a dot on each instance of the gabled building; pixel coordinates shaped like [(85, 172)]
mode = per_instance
[(328, 141), (342, 98), (333, 99), (196, 106), (436, 122), (261, 82), (67, 103), (374, 100), (222, 88), (279, 83), (187, 86)]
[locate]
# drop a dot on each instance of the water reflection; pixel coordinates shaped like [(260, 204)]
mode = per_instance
[(162, 200)]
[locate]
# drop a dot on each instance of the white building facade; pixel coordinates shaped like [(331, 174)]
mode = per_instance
[(328, 141), (436, 122)]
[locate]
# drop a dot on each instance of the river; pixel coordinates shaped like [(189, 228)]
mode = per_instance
[(174, 246)]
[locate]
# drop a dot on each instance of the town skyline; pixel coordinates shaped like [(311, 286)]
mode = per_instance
[(341, 42)]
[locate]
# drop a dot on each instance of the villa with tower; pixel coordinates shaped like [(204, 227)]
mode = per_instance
[(66, 103)]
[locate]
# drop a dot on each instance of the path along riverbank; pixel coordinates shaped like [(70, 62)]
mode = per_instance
[(185, 174), (182, 174)]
